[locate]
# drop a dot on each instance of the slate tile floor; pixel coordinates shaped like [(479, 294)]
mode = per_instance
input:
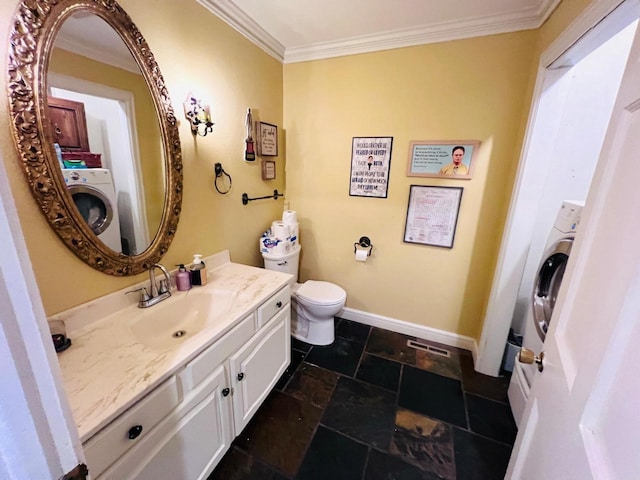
[(369, 407)]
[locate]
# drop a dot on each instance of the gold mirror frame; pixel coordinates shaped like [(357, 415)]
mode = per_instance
[(34, 28)]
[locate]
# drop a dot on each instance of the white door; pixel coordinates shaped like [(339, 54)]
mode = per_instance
[(581, 420)]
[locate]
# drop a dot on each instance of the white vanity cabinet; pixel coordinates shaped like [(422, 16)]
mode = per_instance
[(189, 421), (252, 367)]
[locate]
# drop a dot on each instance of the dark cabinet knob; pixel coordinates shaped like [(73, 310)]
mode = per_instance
[(279, 304), (240, 376), (225, 392), (135, 431)]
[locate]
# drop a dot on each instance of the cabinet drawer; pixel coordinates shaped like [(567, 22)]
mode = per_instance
[(109, 444), (187, 444), (272, 306), (202, 366)]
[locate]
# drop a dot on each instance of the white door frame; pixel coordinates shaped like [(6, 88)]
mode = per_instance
[(528, 188), (38, 435)]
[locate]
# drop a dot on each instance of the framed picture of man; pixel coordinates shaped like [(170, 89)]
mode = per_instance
[(452, 159)]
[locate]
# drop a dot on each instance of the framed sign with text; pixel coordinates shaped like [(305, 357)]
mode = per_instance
[(445, 159), (268, 170), (267, 139), (370, 162)]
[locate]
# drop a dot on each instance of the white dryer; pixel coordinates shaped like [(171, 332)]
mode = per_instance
[(545, 291), (93, 193)]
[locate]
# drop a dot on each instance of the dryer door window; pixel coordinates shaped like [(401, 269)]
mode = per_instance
[(94, 207), (547, 285)]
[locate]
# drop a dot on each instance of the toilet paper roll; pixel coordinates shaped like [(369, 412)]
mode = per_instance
[(261, 246), (290, 217), (294, 232), (274, 246), (280, 230), (362, 255)]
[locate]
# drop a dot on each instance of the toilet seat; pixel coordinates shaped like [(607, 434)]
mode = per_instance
[(315, 292)]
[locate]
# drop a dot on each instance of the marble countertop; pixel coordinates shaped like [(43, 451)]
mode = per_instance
[(107, 370)]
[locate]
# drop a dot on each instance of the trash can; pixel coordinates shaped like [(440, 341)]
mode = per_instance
[(514, 343)]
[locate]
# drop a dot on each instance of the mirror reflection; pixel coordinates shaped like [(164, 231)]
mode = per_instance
[(108, 139)]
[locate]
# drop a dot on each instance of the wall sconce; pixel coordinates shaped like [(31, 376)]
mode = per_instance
[(199, 116)]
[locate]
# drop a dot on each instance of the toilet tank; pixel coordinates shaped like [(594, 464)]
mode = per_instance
[(287, 263)]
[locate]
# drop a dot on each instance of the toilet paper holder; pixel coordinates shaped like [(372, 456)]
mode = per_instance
[(363, 243)]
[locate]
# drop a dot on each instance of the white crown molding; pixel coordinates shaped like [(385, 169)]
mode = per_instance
[(228, 11), (99, 55), (618, 11), (442, 32), (546, 9), (240, 21)]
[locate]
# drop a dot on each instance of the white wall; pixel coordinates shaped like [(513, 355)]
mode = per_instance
[(591, 87)]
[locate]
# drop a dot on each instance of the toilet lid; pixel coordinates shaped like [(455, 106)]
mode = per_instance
[(321, 293)]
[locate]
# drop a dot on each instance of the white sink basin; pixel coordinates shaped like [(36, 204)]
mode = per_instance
[(174, 320)]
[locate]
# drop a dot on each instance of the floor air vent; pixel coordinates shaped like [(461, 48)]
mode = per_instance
[(429, 348)]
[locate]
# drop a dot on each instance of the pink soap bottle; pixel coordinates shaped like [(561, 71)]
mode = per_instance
[(183, 278)]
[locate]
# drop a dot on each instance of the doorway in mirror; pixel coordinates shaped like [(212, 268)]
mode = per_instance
[(111, 130)]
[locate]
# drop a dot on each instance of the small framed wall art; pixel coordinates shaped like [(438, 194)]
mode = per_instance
[(445, 159), (267, 139), (268, 170), (370, 163)]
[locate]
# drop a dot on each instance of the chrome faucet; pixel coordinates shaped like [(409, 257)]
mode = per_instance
[(157, 292)]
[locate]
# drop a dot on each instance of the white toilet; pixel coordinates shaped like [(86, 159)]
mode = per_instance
[(313, 303)]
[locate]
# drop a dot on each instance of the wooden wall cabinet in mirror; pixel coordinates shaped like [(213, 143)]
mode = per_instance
[(40, 44), (68, 124)]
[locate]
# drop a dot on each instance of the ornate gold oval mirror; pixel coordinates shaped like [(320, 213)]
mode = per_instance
[(96, 133)]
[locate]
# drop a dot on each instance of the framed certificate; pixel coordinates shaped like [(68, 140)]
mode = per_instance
[(432, 215)]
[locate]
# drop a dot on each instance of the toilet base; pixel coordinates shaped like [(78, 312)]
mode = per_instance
[(312, 331)]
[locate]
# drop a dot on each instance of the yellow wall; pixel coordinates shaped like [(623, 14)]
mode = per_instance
[(223, 68), (461, 90), (478, 89), (147, 127)]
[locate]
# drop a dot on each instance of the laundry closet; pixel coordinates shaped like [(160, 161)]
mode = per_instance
[(566, 136)]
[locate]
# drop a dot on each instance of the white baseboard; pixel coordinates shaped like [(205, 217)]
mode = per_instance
[(415, 330)]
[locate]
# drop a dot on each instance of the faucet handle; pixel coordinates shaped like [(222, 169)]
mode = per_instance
[(164, 287), (144, 295)]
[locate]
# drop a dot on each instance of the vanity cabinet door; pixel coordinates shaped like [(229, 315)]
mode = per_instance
[(188, 443), (257, 366)]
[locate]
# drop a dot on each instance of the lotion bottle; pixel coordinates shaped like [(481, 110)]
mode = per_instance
[(183, 278), (198, 271)]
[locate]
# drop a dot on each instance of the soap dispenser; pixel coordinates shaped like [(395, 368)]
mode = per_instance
[(198, 271), (183, 278)]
